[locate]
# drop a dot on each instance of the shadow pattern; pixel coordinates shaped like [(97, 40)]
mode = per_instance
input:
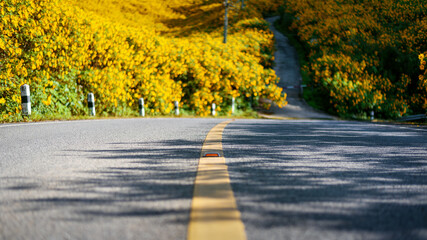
[(147, 186), (206, 16), (328, 180)]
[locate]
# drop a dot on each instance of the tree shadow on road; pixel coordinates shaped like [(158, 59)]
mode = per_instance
[(147, 181), (340, 179)]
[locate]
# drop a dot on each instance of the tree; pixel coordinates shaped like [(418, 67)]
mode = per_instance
[(228, 5)]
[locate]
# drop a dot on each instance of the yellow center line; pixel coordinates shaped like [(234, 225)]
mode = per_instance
[(214, 213)]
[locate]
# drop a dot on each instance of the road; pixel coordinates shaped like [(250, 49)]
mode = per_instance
[(328, 179), (134, 178), (287, 68)]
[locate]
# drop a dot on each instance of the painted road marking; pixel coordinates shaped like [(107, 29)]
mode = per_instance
[(214, 213)]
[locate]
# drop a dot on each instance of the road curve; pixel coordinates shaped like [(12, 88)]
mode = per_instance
[(287, 69)]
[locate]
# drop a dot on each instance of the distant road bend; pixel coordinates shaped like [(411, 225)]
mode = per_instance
[(135, 178), (287, 69)]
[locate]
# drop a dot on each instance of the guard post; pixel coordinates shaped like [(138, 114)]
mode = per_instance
[(25, 100), (141, 107), (213, 109), (176, 103), (91, 104)]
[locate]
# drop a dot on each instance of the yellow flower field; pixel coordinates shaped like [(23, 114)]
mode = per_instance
[(124, 50), (364, 55)]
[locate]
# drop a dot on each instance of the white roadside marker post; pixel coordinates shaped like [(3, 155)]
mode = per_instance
[(233, 100), (141, 107), (213, 109), (176, 103), (25, 100), (91, 104)]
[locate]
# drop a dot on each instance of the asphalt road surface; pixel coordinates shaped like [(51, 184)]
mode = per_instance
[(328, 179), (134, 178)]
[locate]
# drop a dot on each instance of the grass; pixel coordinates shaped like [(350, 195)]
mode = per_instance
[(36, 117)]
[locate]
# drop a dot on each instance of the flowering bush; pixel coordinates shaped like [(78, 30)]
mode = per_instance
[(65, 50), (364, 55)]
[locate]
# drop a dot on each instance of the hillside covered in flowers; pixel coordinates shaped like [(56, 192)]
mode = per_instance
[(162, 51), (363, 56)]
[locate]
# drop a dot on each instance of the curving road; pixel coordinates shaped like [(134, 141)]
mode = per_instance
[(134, 178), (287, 69)]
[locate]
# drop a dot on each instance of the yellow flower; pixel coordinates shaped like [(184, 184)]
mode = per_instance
[(48, 101), (2, 101)]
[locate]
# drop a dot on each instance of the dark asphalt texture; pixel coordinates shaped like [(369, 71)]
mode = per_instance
[(102, 179), (328, 179), (133, 178)]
